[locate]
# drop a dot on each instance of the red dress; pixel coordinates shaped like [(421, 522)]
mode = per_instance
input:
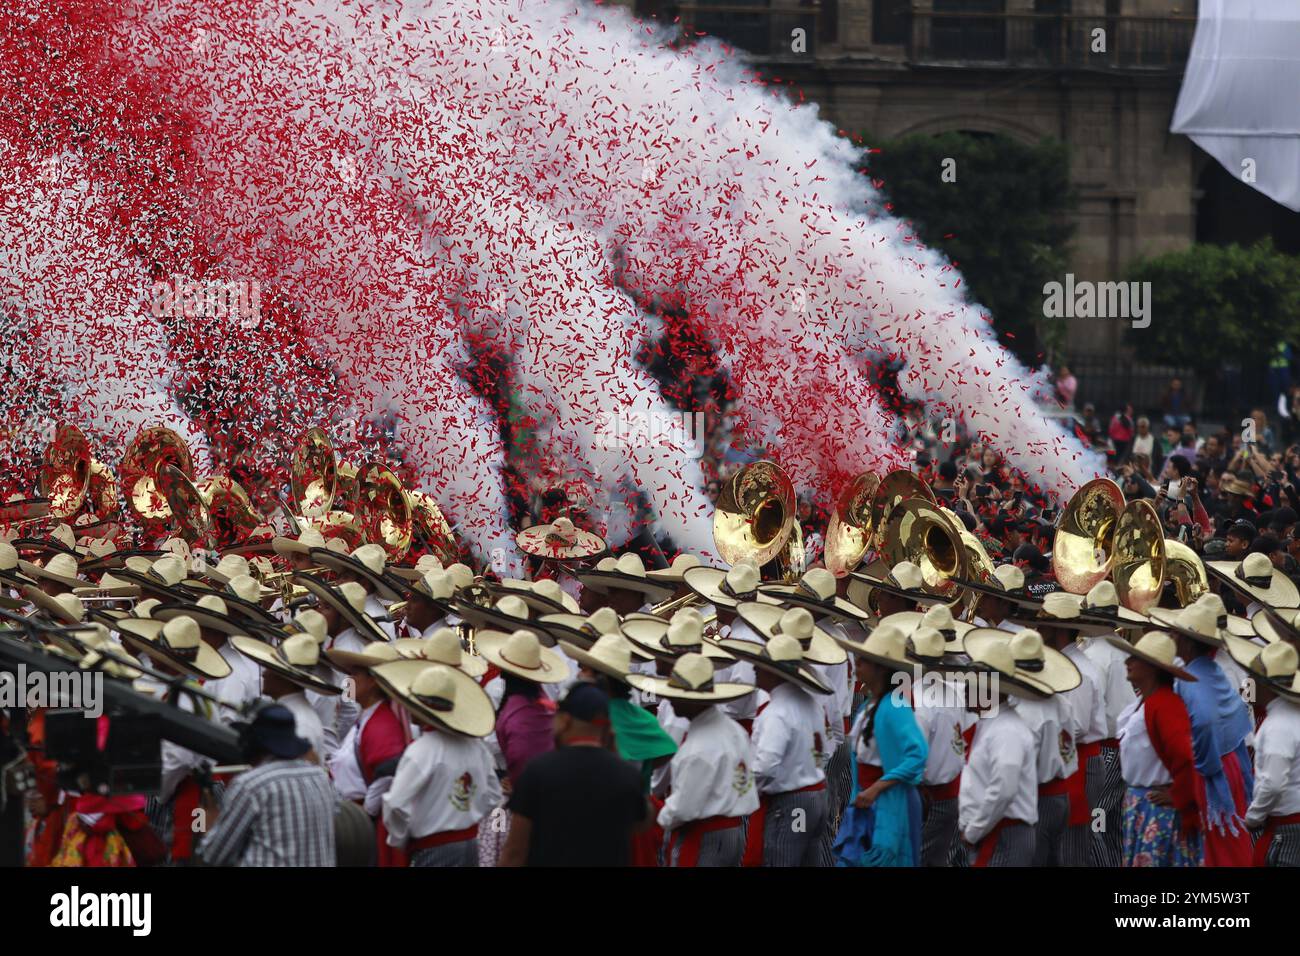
[(380, 744)]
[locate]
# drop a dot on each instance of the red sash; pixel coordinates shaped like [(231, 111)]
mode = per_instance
[(185, 802), (943, 791), (758, 822), (1266, 838), (688, 837), (441, 839), (646, 843), (985, 847), (868, 773)]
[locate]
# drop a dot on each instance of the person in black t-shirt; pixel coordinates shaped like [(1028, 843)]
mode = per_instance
[(579, 804)]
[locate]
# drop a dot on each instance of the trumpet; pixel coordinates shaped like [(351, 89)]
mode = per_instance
[(673, 605)]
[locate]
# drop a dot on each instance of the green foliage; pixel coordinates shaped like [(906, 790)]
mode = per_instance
[(1005, 221), (1212, 305)]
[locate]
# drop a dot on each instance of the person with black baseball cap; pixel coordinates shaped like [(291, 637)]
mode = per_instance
[(577, 805)]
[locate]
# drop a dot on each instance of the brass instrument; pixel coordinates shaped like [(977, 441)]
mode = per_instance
[(186, 505), (929, 536), (792, 560), (894, 488), (65, 472), (432, 528), (147, 453), (979, 569), (755, 514), (231, 516), (1183, 566), (384, 510), (1139, 564), (1084, 549), (848, 534), (670, 607), (319, 480)]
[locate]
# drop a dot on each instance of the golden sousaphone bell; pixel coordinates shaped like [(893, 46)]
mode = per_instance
[(320, 482), (755, 515), (1084, 547), (432, 529), (1184, 567), (384, 510), (895, 488), (920, 531), (1139, 563), (231, 515), (151, 449), (848, 533), (65, 472), (187, 510)]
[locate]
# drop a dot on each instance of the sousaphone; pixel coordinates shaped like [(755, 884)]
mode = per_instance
[(432, 529), (920, 531), (755, 514), (1184, 567), (187, 509), (320, 482), (151, 450), (65, 472), (894, 488), (231, 515), (1084, 548), (384, 510), (1139, 564), (848, 533)]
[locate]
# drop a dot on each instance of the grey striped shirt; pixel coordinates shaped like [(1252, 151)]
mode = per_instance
[(280, 813)]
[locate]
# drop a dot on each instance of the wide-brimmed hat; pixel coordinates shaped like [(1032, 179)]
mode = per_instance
[(307, 539), (63, 608), (1276, 624), (102, 653), (1101, 604), (583, 630), (210, 611), (109, 586), (176, 642), (437, 586), (610, 654), (9, 572), (352, 661), (903, 579), (1230, 484), (438, 695), (1232, 623), (349, 600), (781, 656), (1006, 582), (885, 645), (242, 595), (60, 567), (1036, 663), (1255, 576), (1275, 664), (1156, 648), (521, 653), (729, 588), (1063, 610), (626, 572), (443, 646), (165, 575), (509, 614), (297, 659), (423, 565), (819, 647), (692, 678), (230, 566), (996, 658), (369, 561), (682, 634), (676, 571), (560, 541), (544, 597), (1196, 621), (937, 616), (816, 592)]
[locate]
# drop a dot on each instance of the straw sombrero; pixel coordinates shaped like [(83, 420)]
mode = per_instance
[(692, 678), (626, 572), (425, 564), (816, 592), (1156, 648), (303, 544), (297, 659), (349, 600), (242, 596), (582, 631), (1006, 582), (521, 653), (904, 579), (176, 642), (1275, 664), (781, 656), (351, 661), (676, 571), (369, 561), (1276, 624), (210, 611), (1255, 576), (727, 589), (1063, 610), (544, 597), (508, 614), (436, 694), (230, 566), (819, 647), (1232, 623), (1036, 664), (1196, 621), (995, 658), (63, 608), (441, 647), (937, 616), (560, 541), (60, 567), (684, 634), (611, 654), (9, 573)]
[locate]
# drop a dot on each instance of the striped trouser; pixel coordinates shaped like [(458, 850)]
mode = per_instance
[(1015, 847), (839, 783), (938, 832), (462, 853), (792, 831), (1285, 848), (1053, 821), (1106, 791), (717, 848)]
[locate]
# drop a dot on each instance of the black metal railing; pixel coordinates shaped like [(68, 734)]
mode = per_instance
[(779, 28)]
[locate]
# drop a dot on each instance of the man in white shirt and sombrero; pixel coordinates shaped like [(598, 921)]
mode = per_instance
[(286, 673), (368, 567)]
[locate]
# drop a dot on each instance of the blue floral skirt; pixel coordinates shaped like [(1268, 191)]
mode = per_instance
[(1153, 835)]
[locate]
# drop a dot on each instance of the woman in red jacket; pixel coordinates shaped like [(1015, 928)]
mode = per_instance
[(1160, 817)]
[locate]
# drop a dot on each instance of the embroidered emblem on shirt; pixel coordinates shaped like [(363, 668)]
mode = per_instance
[(743, 780), (462, 791), (1067, 746), (958, 741), (818, 753)]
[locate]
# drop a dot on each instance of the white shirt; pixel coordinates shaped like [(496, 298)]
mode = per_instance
[(1050, 723), (1000, 779), (1087, 701), (344, 769), (443, 782), (788, 741), (1116, 690), (1140, 765), (242, 686), (741, 672), (1008, 626), (306, 722), (942, 728), (1277, 764), (712, 772)]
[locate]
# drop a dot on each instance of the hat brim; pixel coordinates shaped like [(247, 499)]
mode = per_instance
[(384, 584), (491, 619), (471, 715), (471, 664), (362, 623), (349, 662), (1281, 592), (1083, 626), (584, 545), (568, 628), (670, 574), (145, 634), (602, 582), (822, 648), (755, 654), (707, 583), (1164, 619), (836, 607), (662, 687), (910, 620), (37, 573), (265, 656), (206, 619), (874, 583), (551, 668), (537, 602), (1267, 624), (989, 590), (585, 659), (646, 634), (178, 593), (1059, 674), (43, 602), (1127, 647)]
